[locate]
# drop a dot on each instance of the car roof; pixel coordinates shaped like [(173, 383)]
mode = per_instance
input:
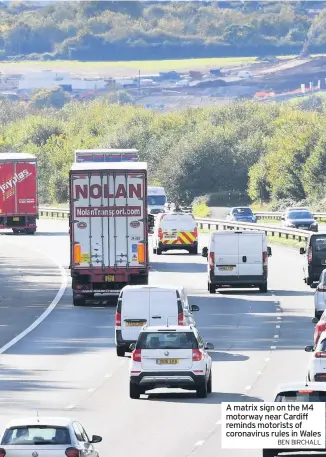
[(173, 328), (300, 385), (52, 421)]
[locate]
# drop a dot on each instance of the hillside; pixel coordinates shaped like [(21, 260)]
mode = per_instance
[(99, 31)]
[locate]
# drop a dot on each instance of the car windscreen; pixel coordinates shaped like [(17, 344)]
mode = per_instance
[(36, 435), (299, 215), (242, 212), (167, 340), (319, 243), (156, 200), (302, 396)]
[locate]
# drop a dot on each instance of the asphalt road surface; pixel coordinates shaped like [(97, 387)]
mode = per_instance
[(67, 364)]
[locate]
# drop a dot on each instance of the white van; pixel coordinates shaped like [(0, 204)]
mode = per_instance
[(149, 305), (237, 259), (175, 231)]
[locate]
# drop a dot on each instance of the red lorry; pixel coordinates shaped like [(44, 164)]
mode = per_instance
[(18, 192), (108, 228)]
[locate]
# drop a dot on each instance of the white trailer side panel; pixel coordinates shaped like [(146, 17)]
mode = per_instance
[(108, 214)]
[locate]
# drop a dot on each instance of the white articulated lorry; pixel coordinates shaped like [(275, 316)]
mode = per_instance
[(108, 228)]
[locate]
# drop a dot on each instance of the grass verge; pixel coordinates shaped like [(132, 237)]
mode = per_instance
[(268, 221), (145, 65), (285, 242)]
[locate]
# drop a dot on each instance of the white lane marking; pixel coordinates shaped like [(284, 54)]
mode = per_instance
[(49, 309), (273, 347), (248, 388), (278, 326), (71, 406), (267, 359), (279, 318), (278, 309), (276, 302), (199, 443), (92, 389), (276, 336)]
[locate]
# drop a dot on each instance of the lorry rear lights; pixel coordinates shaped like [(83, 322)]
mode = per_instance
[(72, 452), (196, 355), (77, 253), (117, 319), (136, 355), (2, 452), (141, 252)]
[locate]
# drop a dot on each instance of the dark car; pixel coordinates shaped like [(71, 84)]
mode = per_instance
[(300, 220), (315, 258), (241, 214)]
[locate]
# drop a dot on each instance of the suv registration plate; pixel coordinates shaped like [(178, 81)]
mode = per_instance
[(167, 361)]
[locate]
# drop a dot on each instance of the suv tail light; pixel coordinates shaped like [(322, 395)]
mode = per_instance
[(118, 319), (265, 260), (321, 287), (160, 233), (196, 232), (72, 452), (136, 355), (180, 319), (211, 260), (2, 452), (320, 355), (196, 355), (309, 255)]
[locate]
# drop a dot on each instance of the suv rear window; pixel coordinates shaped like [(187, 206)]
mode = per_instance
[(32, 435), (167, 340), (295, 396)]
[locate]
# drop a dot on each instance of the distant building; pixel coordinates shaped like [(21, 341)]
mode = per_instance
[(49, 79)]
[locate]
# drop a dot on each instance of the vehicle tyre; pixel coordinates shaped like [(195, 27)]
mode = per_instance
[(154, 250), (193, 250), (120, 352), (15, 231), (134, 391), (308, 281), (317, 314), (209, 383), (158, 251), (202, 390), (211, 288), (270, 453), (29, 231), (313, 285), (263, 288), (78, 301)]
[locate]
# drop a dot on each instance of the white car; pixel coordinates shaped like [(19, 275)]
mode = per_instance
[(47, 437), (298, 392), (317, 362), (172, 357), (320, 295)]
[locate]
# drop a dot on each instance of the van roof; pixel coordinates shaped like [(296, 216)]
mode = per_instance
[(164, 328), (150, 287)]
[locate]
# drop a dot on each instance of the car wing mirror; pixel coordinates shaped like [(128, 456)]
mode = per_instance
[(302, 251), (309, 349), (269, 251), (209, 346), (204, 252), (194, 308), (314, 320)]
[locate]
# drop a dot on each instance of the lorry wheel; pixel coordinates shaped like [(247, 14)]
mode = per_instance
[(120, 352), (158, 251), (263, 288), (15, 231), (78, 301), (154, 250), (211, 288), (29, 231)]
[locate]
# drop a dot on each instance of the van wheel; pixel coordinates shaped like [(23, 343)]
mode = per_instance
[(120, 352), (211, 288), (78, 301), (154, 251), (134, 391), (193, 250), (209, 383), (158, 251), (263, 287), (317, 314), (308, 281)]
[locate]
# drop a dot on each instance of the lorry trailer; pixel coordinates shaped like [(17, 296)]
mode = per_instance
[(108, 228), (18, 192)]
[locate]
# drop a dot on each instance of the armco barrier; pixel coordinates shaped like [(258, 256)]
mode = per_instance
[(277, 215), (212, 224)]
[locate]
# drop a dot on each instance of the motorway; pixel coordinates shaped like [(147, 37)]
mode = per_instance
[(67, 365)]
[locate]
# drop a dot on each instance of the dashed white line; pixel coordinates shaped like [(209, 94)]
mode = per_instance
[(267, 359), (70, 406), (278, 309), (199, 443), (276, 336), (273, 347), (276, 302), (278, 326), (279, 318), (92, 389)]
